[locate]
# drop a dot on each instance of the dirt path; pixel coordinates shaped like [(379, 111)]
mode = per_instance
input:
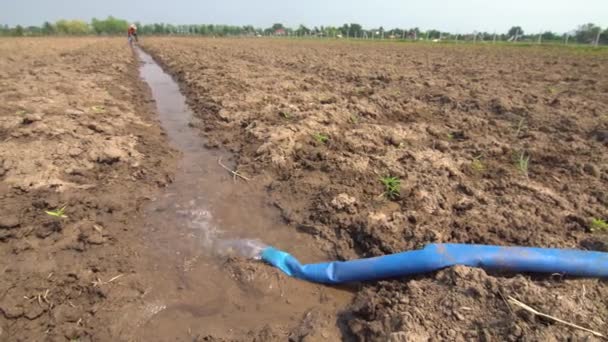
[(318, 123)]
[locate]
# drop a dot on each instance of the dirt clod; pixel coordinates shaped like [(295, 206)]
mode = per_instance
[(31, 118), (344, 202), (592, 170), (8, 221), (65, 313), (11, 307), (311, 328), (95, 239), (108, 155), (34, 311), (75, 152)]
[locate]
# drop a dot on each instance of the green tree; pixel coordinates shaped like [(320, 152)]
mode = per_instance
[(48, 28), (515, 31), (356, 30), (110, 25), (73, 27), (277, 26), (62, 26), (550, 36), (159, 28), (586, 33), (4, 30), (331, 31), (33, 30), (18, 31), (604, 37), (146, 29), (345, 30), (303, 30), (413, 33), (433, 34), (98, 25), (396, 32), (249, 30)]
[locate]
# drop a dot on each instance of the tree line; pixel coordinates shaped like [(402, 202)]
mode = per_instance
[(583, 34)]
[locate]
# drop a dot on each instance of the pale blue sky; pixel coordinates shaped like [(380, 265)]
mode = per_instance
[(455, 16)]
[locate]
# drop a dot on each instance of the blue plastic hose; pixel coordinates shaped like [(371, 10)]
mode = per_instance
[(437, 256)]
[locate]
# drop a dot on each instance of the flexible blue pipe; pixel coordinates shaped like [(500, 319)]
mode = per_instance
[(437, 256)]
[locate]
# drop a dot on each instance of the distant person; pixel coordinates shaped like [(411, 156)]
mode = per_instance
[(132, 33)]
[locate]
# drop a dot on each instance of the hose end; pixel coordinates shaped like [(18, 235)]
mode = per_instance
[(278, 259)]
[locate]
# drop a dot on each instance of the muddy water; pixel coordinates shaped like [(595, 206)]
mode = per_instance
[(199, 288)]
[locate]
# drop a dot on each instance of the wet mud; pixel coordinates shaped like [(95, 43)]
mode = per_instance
[(198, 231)]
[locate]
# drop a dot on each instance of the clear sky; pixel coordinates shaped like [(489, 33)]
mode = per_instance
[(457, 16)]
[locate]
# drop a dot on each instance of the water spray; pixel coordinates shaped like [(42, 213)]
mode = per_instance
[(249, 249)]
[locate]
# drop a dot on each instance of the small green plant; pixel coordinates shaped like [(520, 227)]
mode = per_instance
[(450, 136), (391, 186), (285, 115), (477, 165), (354, 119), (598, 226), (60, 213), (523, 163), (321, 138), (521, 126), (98, 109), (20, 112)]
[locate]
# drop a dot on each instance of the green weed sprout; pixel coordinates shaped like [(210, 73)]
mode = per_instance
[(391, 187), (523, 162), (60, 213), (320, 137), (450, 136), (599, 226), (520, 127), (285, 115), (477, 165), (98, 109), (21, 112)]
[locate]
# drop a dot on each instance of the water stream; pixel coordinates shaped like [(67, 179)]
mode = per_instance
[(198, 287)]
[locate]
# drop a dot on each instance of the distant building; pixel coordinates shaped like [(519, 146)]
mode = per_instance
[(280, 32)]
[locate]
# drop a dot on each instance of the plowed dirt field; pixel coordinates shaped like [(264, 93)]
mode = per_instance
[(491, 145), (76, 132), (319, 123)]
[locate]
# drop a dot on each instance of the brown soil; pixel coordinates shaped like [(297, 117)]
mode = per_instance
[(450, 122), (76, 130)]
